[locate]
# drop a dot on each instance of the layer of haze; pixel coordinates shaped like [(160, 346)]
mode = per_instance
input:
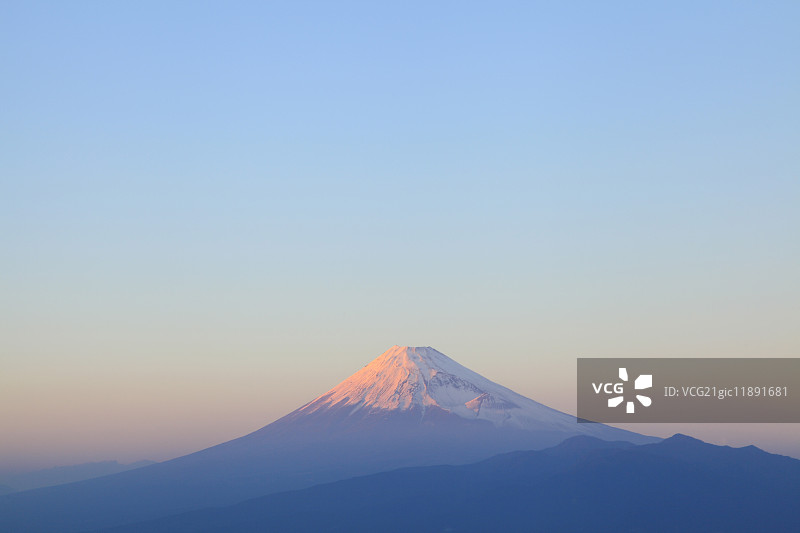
[(211, 213)]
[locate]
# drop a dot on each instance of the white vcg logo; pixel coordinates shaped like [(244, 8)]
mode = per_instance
[(608, 388), (644, 381)]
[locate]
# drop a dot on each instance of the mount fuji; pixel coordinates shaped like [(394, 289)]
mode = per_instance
[(408, 407)]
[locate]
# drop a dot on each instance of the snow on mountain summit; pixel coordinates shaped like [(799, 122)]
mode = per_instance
[(420, 378)]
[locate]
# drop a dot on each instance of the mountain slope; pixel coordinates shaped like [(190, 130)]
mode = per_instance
[(584, 484), (409, 407)]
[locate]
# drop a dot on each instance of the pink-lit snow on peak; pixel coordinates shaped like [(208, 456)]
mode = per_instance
[(405, 378)]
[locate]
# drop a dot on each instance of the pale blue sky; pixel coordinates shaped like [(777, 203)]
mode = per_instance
[(212, 212)]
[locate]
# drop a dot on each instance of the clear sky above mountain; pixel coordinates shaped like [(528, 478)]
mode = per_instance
[(211, 213)]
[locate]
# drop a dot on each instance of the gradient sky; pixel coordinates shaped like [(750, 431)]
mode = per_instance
[(212, 212)]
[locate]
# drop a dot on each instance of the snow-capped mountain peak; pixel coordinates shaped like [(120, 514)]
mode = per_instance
[(420, 378)]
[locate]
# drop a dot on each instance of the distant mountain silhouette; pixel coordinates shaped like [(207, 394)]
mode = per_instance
[(408, 407), (60, 475), (583, 484)]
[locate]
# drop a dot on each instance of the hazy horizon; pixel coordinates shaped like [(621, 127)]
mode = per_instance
[(775, 438), (212, 214)]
